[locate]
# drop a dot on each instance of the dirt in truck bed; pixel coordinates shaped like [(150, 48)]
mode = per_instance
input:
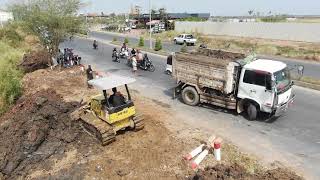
[(41, 138)]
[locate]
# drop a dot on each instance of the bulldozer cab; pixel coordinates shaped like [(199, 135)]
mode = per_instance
[(103, 119), (101, 104)]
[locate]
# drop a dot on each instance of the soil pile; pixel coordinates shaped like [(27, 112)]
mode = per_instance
[(35, 60), (219, 54), (37, 127), (225, 172)]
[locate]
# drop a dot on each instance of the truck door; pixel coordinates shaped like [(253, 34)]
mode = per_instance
[(181, 40), (256, 85)]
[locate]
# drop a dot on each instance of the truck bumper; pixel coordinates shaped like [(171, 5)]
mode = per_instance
[(281, 109)]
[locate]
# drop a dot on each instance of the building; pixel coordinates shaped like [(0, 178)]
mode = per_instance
[(5, 17), (135, 10)]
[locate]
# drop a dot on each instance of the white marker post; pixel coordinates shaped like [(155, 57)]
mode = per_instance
[(200, 158), (217, 148), (194, 152)]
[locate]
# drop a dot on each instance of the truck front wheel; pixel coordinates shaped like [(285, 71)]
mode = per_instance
[(252, 112), (190, 96)]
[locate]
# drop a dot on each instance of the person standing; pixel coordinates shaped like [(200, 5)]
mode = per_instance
[(89, 75), (134, 64)]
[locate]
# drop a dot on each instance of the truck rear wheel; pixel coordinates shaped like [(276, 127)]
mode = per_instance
[(190, 96), (252, 112)]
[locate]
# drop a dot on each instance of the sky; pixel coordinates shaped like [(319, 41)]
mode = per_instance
[(215, 7)]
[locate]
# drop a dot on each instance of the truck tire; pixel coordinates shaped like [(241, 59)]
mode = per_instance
[(252, 112), (190, 96)]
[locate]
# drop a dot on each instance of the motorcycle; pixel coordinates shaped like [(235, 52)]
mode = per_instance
[(124, 54), (115, 56), (95, 45), (146, 64)]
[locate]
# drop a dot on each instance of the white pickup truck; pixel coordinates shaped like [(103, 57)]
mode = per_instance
[(187, 39)]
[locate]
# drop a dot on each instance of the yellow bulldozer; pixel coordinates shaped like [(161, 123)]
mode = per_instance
[(102, 118)]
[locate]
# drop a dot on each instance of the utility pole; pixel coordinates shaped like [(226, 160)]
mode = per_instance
[(150, 18)]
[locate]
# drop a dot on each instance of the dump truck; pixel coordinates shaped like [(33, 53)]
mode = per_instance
[(233, 81)]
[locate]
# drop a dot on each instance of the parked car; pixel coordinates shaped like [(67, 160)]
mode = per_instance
[(187, 39)]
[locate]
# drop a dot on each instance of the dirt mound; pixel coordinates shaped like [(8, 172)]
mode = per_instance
[(222, 172), (35, 60), (37, 127), (219, 54)]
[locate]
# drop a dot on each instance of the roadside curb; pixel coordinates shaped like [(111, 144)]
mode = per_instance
[(307, 85)]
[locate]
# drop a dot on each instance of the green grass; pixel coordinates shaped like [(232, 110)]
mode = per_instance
[(10, 76)]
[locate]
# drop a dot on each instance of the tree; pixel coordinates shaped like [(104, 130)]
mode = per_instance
[(153, 12), (126, 40), (50, 20), (158, 45), (141, 42), (250, 12), (162, 14)]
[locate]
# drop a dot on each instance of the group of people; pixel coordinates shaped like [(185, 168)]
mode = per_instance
[(67, 58), (136, 57)]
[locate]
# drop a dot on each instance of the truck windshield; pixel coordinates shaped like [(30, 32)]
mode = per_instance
[(282, 79), (189, 37)]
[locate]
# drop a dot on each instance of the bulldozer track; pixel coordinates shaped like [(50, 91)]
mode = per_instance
[(98, 128), (138, 122)]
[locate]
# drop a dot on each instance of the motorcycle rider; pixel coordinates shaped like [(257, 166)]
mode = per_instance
[(123, 47), (114, 53), (144, 61), (133, 52), (95, 44)]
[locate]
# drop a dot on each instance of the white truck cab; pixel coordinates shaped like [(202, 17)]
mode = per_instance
[(264, 85)]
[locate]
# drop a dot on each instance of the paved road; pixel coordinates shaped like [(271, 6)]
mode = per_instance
[(293, 139), (312, 69)]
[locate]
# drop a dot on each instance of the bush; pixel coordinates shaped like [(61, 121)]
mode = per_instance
[(141, 42), (10, 76), (126, 40), (158, 45), (114, 39), (11, 36)]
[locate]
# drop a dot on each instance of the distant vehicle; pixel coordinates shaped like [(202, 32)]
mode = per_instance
[(233, 81), (187, 39), (134, 26)]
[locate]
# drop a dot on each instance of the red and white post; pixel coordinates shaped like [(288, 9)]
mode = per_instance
[(194, 152), (217, 148), (200, 158)]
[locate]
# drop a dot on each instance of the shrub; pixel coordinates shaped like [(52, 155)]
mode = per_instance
[(11, 36), (114, 39), (158, 45), (10, 76), (141, 42), (126, 40)]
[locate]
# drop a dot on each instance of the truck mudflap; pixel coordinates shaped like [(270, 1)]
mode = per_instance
[(177, 90), (282, 109)]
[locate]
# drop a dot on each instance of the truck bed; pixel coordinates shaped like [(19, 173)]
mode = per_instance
[(207, 68)]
